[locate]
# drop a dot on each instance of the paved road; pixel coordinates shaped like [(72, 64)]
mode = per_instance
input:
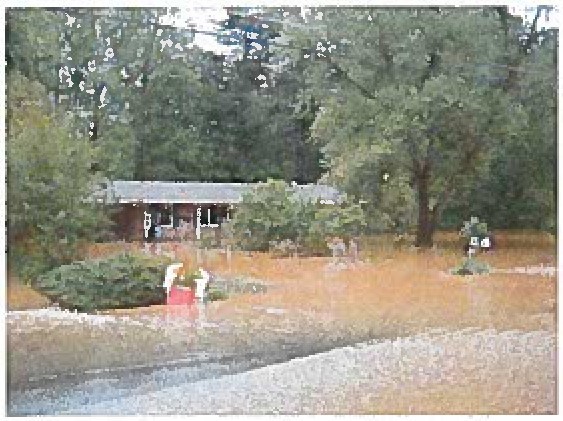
[(516, 368)]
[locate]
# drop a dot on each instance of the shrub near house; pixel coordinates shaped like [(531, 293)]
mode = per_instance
[(126, 280), (274, 218)]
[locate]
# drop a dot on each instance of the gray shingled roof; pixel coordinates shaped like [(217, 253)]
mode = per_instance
[(194, 192)]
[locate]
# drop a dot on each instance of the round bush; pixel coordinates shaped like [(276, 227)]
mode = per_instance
[(471, 266), (123, 281)]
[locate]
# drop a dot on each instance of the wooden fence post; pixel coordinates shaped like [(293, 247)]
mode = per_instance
[(198, 256), (353, 250), (229, 257)]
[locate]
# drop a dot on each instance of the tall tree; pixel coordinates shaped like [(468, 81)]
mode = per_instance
[(49, 180), (524, 170), (172, 111), (91, 61), (414, 92)]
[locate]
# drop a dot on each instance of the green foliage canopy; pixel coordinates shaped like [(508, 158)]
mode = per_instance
[(425, 94), (49, 177)]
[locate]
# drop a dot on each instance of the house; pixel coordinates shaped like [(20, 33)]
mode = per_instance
[(180, 209)]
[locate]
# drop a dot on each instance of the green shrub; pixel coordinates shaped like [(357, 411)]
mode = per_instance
[(126, 280), (267, 214), (471, 266), (403, 240), (344, 220), (283, 248), (216, 295), (473, 228), (188, 281), (237, 285), (273, 217)]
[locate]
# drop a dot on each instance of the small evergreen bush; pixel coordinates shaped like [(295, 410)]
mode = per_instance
[(471, 266), (123, 281), (403, 240), (217, 295), (283, 248), (187, 280)]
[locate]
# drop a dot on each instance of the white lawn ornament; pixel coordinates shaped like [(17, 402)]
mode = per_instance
[(170, 276), (201, 283), (471, 252)]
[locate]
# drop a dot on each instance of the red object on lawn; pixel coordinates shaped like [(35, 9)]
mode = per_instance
[(180, 296)]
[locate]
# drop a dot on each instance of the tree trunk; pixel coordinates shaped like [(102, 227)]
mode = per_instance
[(426, 217), (555, 122)]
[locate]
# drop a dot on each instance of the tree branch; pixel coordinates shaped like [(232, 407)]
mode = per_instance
[(504, 15), (533, 30), (432, 66), (341, 72), (446, 193)]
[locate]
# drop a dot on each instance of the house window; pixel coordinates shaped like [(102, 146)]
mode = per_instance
[(208, 215), (162, 214), (166, 218)]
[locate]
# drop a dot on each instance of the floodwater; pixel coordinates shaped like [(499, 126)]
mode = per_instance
[(69, 391), (358, 379), (344, 379), (307, 344)]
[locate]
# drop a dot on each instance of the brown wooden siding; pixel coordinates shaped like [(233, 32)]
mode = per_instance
[(129, 218), (129, 221)]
